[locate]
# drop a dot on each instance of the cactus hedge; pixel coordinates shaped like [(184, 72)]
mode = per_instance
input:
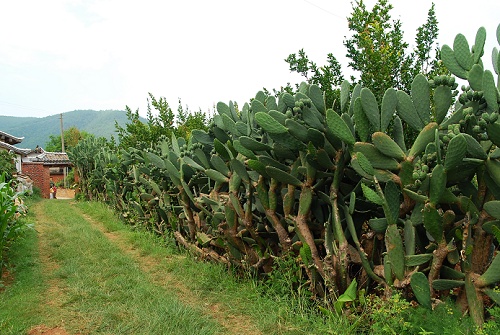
[(344, 191)]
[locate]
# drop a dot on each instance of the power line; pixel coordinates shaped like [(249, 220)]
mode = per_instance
[(325, 10), (18, 106)]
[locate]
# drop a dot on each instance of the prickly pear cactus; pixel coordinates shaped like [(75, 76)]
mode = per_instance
[(288, 175)]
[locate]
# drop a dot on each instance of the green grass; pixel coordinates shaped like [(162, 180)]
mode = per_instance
[(273, 308), (101, 285), (105, 292), (272, 314), (20, 303)]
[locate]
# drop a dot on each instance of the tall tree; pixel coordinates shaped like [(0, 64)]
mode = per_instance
[(161, 122), (377, 52), (140, 135), (327, 77), (72, 136)]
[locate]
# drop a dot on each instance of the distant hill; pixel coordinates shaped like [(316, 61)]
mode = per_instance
[(36, 131)]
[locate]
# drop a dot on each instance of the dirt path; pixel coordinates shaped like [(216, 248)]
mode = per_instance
[(54, 296), (233, 323)]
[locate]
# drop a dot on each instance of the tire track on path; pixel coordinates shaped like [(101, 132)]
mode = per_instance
[(233, 321)]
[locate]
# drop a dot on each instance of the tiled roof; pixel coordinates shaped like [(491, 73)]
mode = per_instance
[(9, 139), (18, 151), (58, 158)]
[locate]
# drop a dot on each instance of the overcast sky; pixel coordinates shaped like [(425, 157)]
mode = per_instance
[(62, 55)]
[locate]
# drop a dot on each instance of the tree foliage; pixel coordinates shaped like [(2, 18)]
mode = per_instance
[(72, 136), (161, 122), (378, 53), (327, 77)]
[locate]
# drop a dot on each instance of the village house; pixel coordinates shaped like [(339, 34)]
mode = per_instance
[(39, 165), (7, 143)]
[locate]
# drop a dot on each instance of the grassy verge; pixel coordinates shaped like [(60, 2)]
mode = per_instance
[(103, 291), (85, 271), (271, 306), (20, 301), (217, 286)]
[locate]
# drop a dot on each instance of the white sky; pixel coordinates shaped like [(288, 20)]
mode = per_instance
[(60, 55)]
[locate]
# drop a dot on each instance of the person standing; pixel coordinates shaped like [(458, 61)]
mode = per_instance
[(53, 189)]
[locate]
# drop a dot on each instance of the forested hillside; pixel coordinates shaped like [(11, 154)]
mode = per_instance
[(36, 131)]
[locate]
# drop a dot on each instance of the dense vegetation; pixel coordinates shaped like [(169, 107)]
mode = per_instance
[(71, 137), (10, 207), (337, 189), (7, 166)]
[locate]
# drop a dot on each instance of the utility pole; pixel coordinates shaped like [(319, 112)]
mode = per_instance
[(62, 147)]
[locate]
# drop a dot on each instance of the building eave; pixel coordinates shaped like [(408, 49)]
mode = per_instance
[(10, 139), (22, 152)]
